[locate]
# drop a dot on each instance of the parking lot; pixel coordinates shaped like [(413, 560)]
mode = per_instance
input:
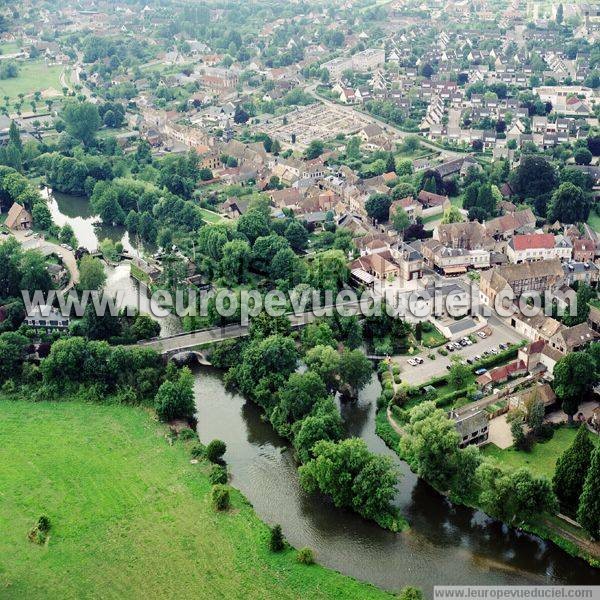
[(416, 375)]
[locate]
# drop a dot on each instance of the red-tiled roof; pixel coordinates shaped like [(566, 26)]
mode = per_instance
[(533, 240)]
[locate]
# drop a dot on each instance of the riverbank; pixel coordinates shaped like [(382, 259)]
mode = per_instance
[(130, 513), (548, 527)]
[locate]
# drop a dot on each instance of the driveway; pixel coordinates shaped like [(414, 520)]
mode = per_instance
[(501, 333), (500, 434), (68, 257), (586, 408)]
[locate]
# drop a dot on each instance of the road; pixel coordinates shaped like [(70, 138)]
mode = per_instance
[(67, 256), (186, 341), (445, 154), (501, 333)]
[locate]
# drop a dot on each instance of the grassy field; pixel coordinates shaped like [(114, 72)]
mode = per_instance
[(33, 76), (211, 217), (130, 516), (542, 458)]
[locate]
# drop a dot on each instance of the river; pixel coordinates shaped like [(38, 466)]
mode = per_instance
[(76, 211), (446, 544)]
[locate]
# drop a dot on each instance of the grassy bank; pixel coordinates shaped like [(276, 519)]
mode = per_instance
[(130, 515)]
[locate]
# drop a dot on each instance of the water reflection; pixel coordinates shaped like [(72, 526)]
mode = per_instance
[(446, 543)]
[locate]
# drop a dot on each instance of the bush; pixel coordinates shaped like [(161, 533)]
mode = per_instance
[(443, 351), (39, 533), (198, 450), (388, 394), (220, 497), (305, 556), (396, 369), (397, 378), (431, 356), (217, 475), (187, 434), (382, 402), (276, 541), (215, 450)]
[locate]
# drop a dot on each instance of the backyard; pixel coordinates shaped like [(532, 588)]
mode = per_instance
[(541, 460), (130, 514)]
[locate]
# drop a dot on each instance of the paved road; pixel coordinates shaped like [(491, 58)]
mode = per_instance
[(501, 333), (445, 154), (189, 340)]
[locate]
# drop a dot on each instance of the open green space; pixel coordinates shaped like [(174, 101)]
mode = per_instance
[(594, 220), (433, 338), (9, 48), (130, 515), (210, 217), (33, 76), (541, 460)]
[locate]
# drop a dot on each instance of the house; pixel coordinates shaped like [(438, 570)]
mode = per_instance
[(412, 208), (539, 355), (538, 246), (18, 218), (588, 272), (572, 339), (234, 207), (584, 250), (466, 235), (380, 265), (513, 280), (46, 318), (540, 391), (472, 427), (501, 374), (521, 221)]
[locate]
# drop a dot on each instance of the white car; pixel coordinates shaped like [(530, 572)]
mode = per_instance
[(482, 335), (412, 362)]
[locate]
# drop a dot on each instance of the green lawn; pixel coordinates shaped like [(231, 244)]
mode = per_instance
[(33, 76), (594, 220), (130, 516), (457, 201), (211, 217), (542, 458), (9, 48), (433, 338)]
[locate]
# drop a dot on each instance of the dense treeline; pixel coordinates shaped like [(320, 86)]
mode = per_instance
[(300, 407)]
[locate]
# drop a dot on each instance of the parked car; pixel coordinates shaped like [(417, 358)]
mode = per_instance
[(470, 361), (412, 362), (476, 358), (419, 360), (482, 334), (450, 347), (480, 371), (503, 346)]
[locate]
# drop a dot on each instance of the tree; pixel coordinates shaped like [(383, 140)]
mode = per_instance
[(34, 274), (355, 372), (264, 250), (145, 328), (571, 470), (240, 115), (378, 207), (573, 376), (82, 120), (325, 361), (452, 215), (390, 164), (460, 374), (41, 215), (533, 177), (215, 450), (236, 260), (91, 273), (314, 150), (352, 476), (297, 235), (588, 513), (276, 540), (297, 397), (329, 270), (175, 399), (514, 496), (559, 14), (253, 224), (431, 445), (569, 204), (582, 156), (400, 220), (14, 136), (313, 429), (353, 147)]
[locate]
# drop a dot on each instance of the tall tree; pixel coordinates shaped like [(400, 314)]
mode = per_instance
[(573, 376), (588, 514), (571, 470), (82, 120)]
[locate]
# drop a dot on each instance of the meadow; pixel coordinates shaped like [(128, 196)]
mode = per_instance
[(130, 516)]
